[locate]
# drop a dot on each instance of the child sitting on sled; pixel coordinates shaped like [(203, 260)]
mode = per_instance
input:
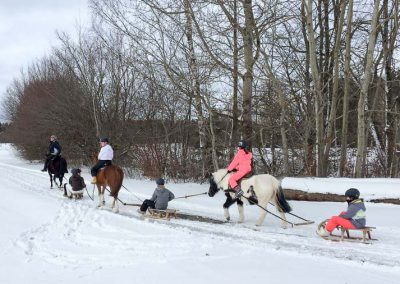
[(76, 184), (353, 218), (160, 198)]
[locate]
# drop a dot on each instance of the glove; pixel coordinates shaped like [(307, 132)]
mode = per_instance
[(238, 193)]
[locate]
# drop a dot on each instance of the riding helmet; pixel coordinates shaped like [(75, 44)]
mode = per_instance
[(104, 139), (243, 144), (353, 193), (160, 181), (75, 171)]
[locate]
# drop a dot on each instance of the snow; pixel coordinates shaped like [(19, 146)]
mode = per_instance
[(370, 188), (46, 238)]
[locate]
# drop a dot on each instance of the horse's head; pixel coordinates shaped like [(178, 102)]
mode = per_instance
[(217, 180), (213, 187)]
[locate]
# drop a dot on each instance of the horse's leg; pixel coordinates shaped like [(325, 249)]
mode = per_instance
[(61, 180), (263, 203), (229, 201), (241, 210), (51, 180), (101, 196), (115, 205)]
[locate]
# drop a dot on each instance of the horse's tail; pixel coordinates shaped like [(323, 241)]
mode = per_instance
[(281, 201), (119, 177), (63, 166)]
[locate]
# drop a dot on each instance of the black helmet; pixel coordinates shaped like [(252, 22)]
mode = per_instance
[(104, 139), (243, 144), (75, 171), (353, 193), (160, 181)]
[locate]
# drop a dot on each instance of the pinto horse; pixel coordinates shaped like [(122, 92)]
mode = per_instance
[(259, 189), (56, 168), (111, 176)]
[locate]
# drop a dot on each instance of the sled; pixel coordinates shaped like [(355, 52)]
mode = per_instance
[(162, 214), (366, 233)]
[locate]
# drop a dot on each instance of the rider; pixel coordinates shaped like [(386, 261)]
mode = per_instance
[(241, 164), (105, 157), (353, 218), (54, 151), (76, 182), (160, 198)]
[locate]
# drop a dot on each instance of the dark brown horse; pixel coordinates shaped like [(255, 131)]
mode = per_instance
[(57, 168), (111, 176)]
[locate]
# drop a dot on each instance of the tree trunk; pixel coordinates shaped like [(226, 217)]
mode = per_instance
[(317, 86), (346, 96), (361, 133)]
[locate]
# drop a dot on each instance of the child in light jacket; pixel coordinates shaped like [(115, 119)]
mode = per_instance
[(353, 218), (160, 198)]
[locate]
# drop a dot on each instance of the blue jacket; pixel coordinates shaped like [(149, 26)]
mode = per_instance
[(355, 213), (54, 148)]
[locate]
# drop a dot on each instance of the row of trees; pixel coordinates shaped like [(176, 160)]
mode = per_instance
[(313, 85)]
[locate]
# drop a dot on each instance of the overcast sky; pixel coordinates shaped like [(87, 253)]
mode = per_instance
[(28, 30)]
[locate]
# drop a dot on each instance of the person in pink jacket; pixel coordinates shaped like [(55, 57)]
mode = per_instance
[(242, 165)]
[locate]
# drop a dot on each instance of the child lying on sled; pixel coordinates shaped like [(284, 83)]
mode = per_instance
[(160, 198), (353, 218), (75, 185)]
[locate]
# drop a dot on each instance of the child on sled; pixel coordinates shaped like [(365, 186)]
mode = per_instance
[(75, 185), (353, 218), (160, 198)]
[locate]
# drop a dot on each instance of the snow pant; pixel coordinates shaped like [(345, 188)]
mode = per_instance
[(338, 221), (146, 204), (100, 164), (234, 179)]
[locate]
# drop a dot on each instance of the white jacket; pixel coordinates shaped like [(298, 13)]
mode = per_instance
[(106, 153)]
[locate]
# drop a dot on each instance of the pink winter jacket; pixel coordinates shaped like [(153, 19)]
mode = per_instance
[(241, 161)]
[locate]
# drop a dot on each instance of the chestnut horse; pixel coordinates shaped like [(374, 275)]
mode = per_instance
[(111, 176)]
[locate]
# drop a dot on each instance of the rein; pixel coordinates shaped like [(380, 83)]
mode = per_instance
[(270, 212), (88, 192), (186, 196)]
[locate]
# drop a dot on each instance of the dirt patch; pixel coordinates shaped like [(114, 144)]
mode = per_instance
[(293, 194)]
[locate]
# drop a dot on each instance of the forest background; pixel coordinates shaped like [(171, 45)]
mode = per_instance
[(312, 85)]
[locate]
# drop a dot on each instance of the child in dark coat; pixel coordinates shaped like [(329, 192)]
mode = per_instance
[(160, 198), (353, 218), (76, 183)]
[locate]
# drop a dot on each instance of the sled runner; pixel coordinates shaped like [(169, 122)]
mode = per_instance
[(162, 214), (366, 233)]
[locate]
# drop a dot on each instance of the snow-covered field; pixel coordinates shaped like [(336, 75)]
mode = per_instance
[(46, 238)]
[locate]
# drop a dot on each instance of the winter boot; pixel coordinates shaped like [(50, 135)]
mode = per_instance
[(323, 232), (94, 180), (238, 191)]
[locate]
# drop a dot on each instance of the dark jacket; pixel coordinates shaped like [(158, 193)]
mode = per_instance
[(355, 213), (77, 182), (161, 197), (54, 148)]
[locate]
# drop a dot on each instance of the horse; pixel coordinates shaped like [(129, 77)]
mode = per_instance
[(56, 168), (111, 176), (258, 189)]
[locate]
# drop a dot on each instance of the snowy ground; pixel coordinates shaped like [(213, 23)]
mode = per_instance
[(46, 238)]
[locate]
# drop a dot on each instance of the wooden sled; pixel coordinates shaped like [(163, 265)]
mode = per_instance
[(366, 233), (162, 214)]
